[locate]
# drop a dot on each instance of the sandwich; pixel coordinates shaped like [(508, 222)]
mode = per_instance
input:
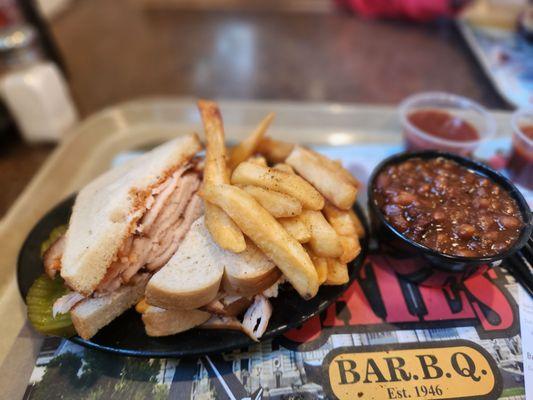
[(125, 225), (200, 243)]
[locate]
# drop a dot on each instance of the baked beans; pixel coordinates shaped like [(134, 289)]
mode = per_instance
[(447, 207)]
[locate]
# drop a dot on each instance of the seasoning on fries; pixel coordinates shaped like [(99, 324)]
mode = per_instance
[(252, 174), (278, 204)]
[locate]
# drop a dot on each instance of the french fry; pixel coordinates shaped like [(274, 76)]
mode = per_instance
[(284, 167), (341, 220), (215, 170), (343, 223), (268, 234), (259, 160), (275, 151), (359, 228), (248, 146), (336, 166), (223, 230), (328, 182), (251, 174), (324, 240), (350, 248), (296, 228), (278, 204), (321, 265), (141, 306), (337, 273)]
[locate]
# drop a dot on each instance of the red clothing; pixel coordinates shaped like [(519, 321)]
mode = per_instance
[(417, 10)]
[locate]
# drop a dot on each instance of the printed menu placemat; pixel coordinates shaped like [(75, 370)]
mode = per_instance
[(384, 338)]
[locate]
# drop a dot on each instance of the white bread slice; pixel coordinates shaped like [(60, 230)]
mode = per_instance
[(249, 272), (192, 276), (90, 315), (160, 322), (107, 209), (222, 322)]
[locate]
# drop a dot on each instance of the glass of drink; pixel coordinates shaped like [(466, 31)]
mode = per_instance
[(520, 165), (444, 121)]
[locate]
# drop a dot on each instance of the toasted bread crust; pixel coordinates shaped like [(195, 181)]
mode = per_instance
[(160, 322), (90, 315), (248, 286), (184, 300), (248, 273)]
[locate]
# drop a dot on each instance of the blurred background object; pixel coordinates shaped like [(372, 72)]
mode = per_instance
[(50, 8), (33, 88), (521, 159), (416, 10), (494, 13), (241, 5), (525, 23), (496, 31), (299, 50), (25, 44)]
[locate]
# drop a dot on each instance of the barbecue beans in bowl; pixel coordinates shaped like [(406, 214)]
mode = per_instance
[(448, 217)]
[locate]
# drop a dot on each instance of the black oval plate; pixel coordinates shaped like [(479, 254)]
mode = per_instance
[(126, 335)]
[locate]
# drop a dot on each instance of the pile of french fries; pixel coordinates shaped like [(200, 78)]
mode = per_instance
[(293, 203)]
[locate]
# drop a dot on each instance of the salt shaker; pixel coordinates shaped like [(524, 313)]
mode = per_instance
[(33, 88)]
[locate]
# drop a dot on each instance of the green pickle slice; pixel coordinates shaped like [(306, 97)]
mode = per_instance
[(40, 300), (54, 235)]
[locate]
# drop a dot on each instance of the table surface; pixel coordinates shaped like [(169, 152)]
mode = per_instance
[(115, 51)]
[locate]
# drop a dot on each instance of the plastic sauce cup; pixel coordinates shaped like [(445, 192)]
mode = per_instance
[(459, 124), (520, 164)]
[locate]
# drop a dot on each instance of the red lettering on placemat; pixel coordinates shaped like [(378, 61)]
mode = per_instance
[(377, 300)]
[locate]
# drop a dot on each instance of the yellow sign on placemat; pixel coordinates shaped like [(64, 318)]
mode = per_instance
[(451, 370)]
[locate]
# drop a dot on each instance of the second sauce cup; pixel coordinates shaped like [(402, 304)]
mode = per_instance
[(520, 164)]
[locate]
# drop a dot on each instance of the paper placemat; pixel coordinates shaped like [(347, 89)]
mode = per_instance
[(383, 339)]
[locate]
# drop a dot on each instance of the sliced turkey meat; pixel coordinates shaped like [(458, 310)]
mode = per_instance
[(171, 241), (158, 198), (65, 303), (163, 227), (52, 257), (256, 318), (171, 208)]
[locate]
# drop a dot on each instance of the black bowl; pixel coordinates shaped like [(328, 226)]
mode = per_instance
[(426, 266)]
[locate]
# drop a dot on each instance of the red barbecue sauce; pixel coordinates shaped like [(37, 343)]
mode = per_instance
[(521, 161), (440, 124)]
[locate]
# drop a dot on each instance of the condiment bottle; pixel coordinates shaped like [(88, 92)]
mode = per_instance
[(33, 88)]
